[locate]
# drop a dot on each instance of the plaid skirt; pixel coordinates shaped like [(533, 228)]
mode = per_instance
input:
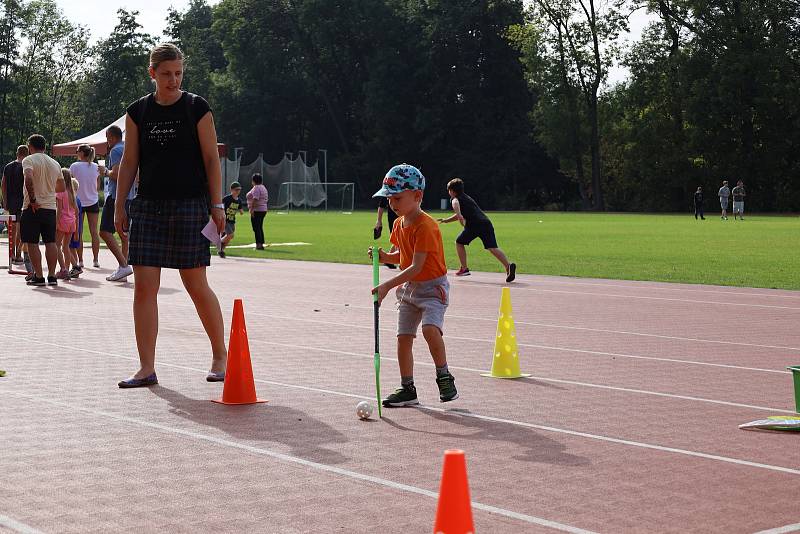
[(168, 233)]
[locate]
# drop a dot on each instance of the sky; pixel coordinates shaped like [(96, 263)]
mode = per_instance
[(100, 16)]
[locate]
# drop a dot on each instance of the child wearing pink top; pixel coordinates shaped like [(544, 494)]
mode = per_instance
[(66, 219), (257, 199)]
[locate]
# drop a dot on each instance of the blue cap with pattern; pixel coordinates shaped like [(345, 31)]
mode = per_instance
[(403, 177)]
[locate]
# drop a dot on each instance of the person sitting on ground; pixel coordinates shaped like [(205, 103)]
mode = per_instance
[(233, 204), (66, 219), (422, 286), (476, 224), (257, 200)]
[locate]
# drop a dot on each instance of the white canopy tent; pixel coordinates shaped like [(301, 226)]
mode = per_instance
[(98, 141)]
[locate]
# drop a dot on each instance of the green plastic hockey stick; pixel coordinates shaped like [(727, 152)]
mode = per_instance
[(376, 279)]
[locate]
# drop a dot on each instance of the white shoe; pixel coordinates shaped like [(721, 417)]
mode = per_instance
[(80, 264), (121, 274), (96, 264)]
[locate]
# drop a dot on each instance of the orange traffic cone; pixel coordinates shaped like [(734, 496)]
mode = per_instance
[(454, 511), (239, 385)]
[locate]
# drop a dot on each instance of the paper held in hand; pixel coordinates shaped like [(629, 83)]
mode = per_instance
[(210, 233)]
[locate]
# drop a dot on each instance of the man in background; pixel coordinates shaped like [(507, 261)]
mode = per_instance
[(12, 186)]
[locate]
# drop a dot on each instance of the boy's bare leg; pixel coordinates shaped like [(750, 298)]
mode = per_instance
[(435, 344), (145, 316), (405, 355), (207, 306), (500, 255), (461, 250)]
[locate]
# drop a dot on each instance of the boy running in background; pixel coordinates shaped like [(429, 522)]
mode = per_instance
[(233, 204), (422, 286), (476, 224)]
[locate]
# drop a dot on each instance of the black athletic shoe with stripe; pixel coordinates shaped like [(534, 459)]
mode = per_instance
[(402, 396), (447, 388)]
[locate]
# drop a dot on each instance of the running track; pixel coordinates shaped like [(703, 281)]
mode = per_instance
[(627, 425)]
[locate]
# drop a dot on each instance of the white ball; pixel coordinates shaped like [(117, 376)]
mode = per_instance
[(364, 410)]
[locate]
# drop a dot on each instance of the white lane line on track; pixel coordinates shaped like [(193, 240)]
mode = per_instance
[(473, 370), (612, 283), (638, 297), (579, 328), (495, 286), (685, 452), (16, 526), (262, 451), (697, 289), (526, 345), (781, 530)]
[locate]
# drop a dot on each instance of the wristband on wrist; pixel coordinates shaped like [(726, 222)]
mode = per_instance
[(218, 206)]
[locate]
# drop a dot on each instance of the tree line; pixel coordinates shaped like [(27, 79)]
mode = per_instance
[(511, 96)]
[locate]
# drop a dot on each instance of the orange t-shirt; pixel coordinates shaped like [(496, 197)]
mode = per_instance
[(422, 235)]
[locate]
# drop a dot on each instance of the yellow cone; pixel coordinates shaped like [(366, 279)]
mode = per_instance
[(505, 363)]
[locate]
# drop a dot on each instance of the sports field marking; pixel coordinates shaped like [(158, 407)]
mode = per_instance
[(491, 341), (253, 245), (16, 526), (685, 452), (535, 346), (254, 339), (263, 451), (642, 297), (611, 283), (482, 280), (781, 530), (581, 328)]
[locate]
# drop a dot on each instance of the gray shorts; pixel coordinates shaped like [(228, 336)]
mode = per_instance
[(229, 227), (422, 302), (723, 202), (738, 206)]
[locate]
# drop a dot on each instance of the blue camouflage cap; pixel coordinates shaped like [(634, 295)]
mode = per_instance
[(403, 177)]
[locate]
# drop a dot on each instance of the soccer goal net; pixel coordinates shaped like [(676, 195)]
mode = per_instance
[(327, 196)]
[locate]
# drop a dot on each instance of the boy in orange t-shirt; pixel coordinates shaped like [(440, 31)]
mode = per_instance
[(422, 286)]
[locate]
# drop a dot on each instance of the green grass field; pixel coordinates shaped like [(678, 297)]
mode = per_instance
[(761, 251)]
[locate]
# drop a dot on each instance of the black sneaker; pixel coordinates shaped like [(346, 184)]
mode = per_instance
[(402, 396), (75, 272), (512, 272), (221, 253), (52, 281), (447, 387), (36, 281), (391, 265)]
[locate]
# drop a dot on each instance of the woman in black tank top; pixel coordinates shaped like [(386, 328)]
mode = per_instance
[(172, 143), (476, 224)]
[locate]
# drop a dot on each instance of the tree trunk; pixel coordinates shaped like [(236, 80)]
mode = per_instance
[(594, 143)]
